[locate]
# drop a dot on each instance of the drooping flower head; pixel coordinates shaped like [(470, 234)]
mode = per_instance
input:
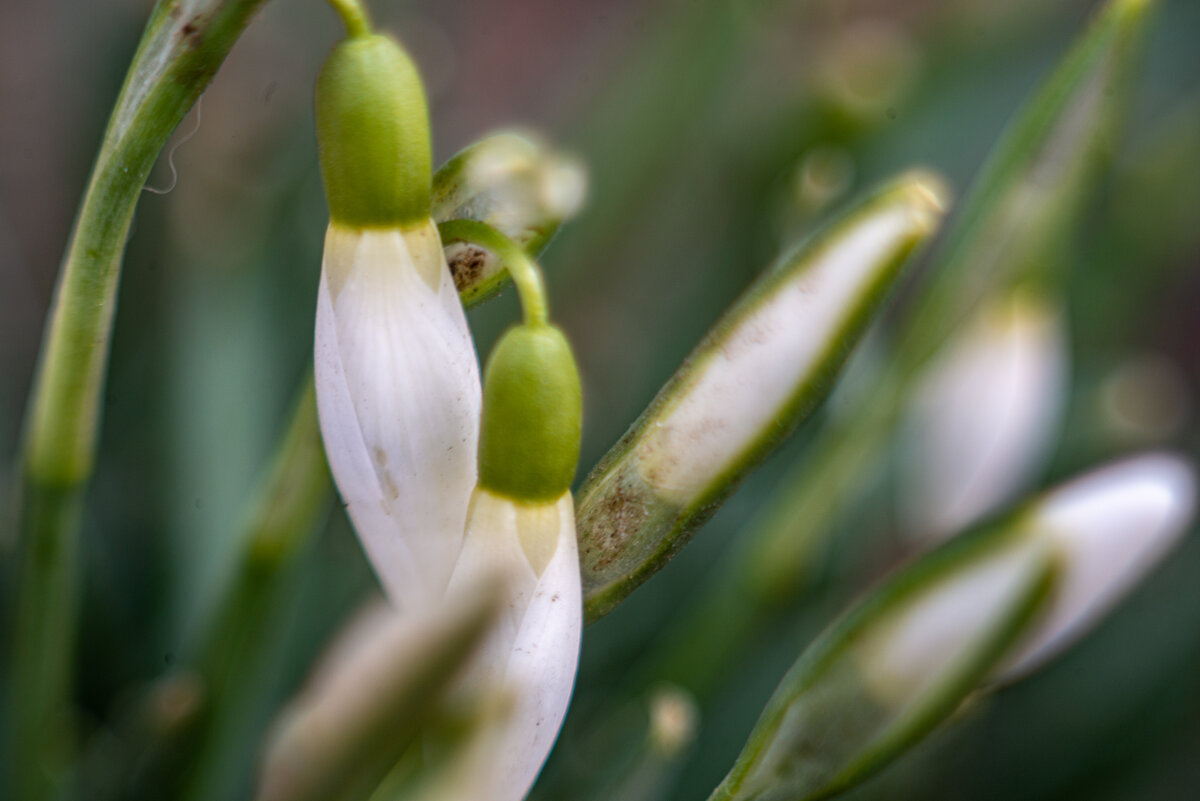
[(398, 387)]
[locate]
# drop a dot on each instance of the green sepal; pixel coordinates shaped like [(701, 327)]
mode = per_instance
[(532, 415), (373, 135)]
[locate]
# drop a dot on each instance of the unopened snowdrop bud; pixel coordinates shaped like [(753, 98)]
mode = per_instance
[(522, 518), (764, 367), (989, 606), (515, 183), (985, 415), (397, 381)]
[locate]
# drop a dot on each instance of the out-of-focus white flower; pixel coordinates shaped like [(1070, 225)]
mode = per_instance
[(985, 416), (371, 692), (1099, 533), (517, 184), (1107, 529)]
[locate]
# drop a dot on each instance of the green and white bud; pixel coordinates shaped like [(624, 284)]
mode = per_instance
[(515, 183), (398, 390), (765, 367), (987, 607), (985, 415), (522, 519)]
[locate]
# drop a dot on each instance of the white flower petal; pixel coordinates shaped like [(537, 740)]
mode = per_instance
[(398, 394), (1109, 528), (984, 417), (534, 650)]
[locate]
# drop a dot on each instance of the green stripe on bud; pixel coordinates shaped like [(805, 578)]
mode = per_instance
[(373, 135), (532, 415)]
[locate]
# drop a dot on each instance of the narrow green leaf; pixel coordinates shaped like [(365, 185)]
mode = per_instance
[(184, 43)]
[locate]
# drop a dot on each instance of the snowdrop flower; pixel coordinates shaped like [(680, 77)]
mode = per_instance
[(984, 415), (522, 520), (402, 409), (397, 380)]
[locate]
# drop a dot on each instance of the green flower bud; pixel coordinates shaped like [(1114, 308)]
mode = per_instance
[(373, 135), (532, 412)]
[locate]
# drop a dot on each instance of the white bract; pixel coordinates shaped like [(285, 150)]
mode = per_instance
[(985, 416), (742, 386), (398, 394)]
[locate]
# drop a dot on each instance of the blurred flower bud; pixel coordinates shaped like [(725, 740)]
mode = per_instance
[(371, 694), (765, 366), (821, 178), (990, 605), (1108, 529), (518, 185), (984, 416)]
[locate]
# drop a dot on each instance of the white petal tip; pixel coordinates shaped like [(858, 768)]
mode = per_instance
[(929, 191), (1152, 497), (1109, 528)]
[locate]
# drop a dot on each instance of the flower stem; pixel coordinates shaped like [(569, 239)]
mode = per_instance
[(521, 267), (180, 51), (354, 15)]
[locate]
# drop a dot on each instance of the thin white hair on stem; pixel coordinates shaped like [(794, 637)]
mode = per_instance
[(171, 153)]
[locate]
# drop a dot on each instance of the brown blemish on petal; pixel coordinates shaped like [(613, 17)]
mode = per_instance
[(467, 266)]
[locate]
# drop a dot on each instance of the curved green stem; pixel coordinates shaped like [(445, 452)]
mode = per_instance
[(354, 15), (180, 51), (520, 266)]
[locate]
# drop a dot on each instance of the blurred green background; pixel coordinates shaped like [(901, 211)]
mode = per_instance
[(715, 132)]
